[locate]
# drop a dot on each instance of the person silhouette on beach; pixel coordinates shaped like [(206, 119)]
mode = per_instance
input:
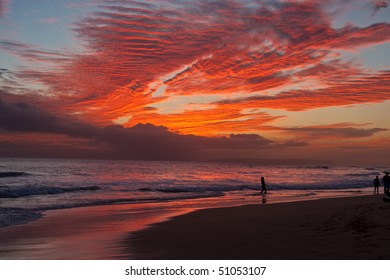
[(386, 183), (263, 186), (376, 185)]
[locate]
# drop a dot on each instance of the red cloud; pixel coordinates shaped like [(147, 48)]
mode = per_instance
[(374, 88)]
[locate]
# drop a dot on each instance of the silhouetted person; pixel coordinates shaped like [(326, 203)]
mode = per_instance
[(376, 184), (263, 186), (386, 183)]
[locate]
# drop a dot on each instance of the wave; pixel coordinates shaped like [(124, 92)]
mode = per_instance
[(318, 186), (363, 174), (198, 189), (174, 190), (9, 192), (352, 184), (81, 174), (13, 174), (314, 167), (128, 201)]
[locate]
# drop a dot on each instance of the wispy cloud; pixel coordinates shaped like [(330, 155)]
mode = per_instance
[(334, 131), (377, 5), (33, 53), (4, 7), (50, 20)]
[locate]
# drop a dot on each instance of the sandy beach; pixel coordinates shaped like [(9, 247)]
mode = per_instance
[(339, 228)]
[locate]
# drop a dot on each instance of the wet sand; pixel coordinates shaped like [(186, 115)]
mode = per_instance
[(80, 233), (327, 229)]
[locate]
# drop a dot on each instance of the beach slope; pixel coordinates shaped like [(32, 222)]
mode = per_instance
[(327, 229)]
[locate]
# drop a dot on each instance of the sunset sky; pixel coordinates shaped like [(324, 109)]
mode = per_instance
[(277, 81)]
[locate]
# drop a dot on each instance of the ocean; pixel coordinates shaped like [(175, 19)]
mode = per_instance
[(29, 187)]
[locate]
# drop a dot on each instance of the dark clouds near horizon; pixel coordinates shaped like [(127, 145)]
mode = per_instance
[(140, 142), (41, 134)]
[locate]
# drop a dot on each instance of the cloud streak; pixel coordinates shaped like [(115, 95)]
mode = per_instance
[(335, 131), (339, 94), (377, 5), (4, 7)]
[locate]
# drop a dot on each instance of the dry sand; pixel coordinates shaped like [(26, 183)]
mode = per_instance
[(338, 228)]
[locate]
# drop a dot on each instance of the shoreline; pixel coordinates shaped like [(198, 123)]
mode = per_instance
[(353, 228)]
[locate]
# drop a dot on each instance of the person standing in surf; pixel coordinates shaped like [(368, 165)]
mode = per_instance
[(376, 185), (263, 186), (386, 183)]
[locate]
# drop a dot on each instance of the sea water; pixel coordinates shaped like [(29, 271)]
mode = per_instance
[(28, 187)]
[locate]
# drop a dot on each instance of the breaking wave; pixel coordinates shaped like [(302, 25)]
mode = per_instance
[(13, 174), (12, 192)]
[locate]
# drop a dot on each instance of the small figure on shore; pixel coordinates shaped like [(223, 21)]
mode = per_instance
[(263, 186), (386, 183), (376, 184)]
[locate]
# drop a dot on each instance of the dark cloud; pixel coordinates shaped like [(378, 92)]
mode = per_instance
[(343, 131), (295, 144), (21, 116), (143, 141)]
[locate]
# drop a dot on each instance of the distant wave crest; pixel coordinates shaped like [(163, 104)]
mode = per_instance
[(272, 186), (128, 200), (200, 189), (314, 167), (13, 174), (10, 192), (363, 174)]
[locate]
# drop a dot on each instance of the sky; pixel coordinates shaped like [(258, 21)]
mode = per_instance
[(268, 81)]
